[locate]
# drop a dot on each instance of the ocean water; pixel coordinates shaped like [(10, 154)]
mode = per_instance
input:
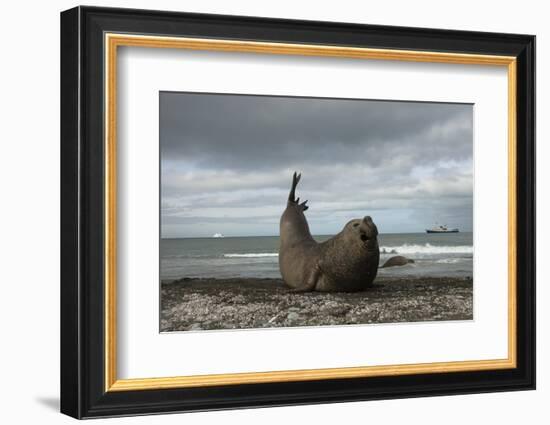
[(449, 254)]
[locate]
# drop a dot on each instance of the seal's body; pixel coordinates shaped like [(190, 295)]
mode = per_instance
[(347, 262), (398, 260)]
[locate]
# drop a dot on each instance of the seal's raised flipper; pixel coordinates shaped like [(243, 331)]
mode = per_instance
[(292, 194), (302, 205)]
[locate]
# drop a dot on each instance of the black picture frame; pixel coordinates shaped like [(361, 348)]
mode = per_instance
[(83, 392)]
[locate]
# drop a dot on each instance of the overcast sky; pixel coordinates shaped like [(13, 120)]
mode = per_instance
[(227, 163)]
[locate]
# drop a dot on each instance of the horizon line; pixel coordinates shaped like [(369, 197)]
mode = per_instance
[(271, 236)]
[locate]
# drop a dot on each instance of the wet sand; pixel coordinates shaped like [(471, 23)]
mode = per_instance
[(206, 304)]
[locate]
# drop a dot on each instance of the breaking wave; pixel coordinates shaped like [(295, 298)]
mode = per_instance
[(449, 260), (252, 255), (400, 249), (427, 249)]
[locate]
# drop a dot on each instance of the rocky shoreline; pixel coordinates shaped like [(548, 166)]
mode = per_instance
[(206, 304)]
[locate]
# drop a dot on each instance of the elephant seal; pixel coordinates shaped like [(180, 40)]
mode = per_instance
[(398, 260), (347, 262)]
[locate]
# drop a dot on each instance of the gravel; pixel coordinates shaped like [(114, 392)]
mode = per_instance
[(206, 304)]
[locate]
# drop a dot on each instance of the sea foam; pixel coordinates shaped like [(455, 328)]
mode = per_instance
[(427, 249), (252, 255), (399, 249)]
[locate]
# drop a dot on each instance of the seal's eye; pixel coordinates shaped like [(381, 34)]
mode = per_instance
[(364, 237), (355, 224)]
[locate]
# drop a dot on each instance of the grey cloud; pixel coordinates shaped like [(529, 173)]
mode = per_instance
[(256, 132), (227, 162)]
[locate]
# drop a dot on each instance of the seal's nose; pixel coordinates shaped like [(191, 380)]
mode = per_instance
[(372, 231)]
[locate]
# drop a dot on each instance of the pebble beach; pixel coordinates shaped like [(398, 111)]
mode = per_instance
[(194, 304)]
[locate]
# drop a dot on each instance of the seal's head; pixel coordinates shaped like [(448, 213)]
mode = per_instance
[(362, 232)]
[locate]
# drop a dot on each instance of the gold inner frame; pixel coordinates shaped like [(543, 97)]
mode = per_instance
[(113, 41)]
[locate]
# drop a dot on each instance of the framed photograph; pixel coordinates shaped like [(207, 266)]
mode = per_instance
[(261, 212)]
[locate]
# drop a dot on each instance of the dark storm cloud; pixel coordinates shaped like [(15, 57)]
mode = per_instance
[(218, 130), (227, 160)]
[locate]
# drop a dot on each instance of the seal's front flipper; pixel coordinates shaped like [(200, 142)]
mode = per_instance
[(303, 289), (311, 281)]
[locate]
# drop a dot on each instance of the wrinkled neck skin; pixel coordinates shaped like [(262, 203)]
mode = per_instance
[(339, 245), (293, 226), (345, 241), (351, 260)]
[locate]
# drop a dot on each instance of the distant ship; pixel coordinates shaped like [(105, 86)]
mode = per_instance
[(218, 235), (441, 229)]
